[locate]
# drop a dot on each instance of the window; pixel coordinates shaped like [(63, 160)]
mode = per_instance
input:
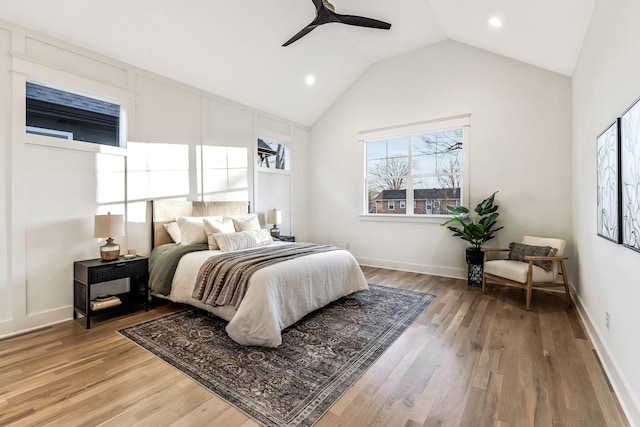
[(60, 114), (422, 169), (156, 170), (225, 173), (272, 154)]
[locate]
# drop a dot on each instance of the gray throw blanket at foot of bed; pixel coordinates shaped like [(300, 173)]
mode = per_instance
[(223, 279)]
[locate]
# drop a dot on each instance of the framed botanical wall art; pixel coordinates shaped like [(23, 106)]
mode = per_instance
[(630, 176), (608, 194)]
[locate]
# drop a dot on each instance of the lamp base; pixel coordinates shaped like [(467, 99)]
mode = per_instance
[(109, 251), (275, 231)]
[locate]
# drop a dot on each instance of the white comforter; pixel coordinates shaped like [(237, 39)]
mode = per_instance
[(278, 295)]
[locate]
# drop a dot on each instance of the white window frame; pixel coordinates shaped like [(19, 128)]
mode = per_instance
[(430, 126), (287, 154), (26, 70), (71, 143), (50, 132)]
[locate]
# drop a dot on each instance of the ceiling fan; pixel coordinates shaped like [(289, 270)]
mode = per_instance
[(325, 14)]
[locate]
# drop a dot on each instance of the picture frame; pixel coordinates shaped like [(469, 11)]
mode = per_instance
[(608, 183), (630, 176)]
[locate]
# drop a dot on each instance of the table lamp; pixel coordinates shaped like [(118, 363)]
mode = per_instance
[(108, 226), (274, 217)]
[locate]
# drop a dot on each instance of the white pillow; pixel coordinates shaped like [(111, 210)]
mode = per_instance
[(263, 237), (192, 229), (243, 240), (213, 227), (173, 230), (246, 222)]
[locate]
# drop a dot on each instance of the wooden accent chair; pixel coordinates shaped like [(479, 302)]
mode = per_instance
[(527, 273)]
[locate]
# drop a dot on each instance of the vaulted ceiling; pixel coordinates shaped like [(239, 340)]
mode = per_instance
[(234, 48)]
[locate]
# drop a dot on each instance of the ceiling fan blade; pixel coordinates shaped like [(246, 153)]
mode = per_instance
[(361, 21), (306, 30), (325, 14)]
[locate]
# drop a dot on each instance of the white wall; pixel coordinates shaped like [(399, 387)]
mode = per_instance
[(5, 176), (49, 194), (520, 145), (606, 81)]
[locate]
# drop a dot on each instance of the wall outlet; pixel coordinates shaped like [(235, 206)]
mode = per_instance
[(606, 321), (348, 245)]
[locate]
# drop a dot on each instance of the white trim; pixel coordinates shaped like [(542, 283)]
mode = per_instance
[(260, 132), (287, 154), (49, 132), (25, 71), (65, 144), (45, 75), (623, 392), (269, 134), (415, 128), (455, 273), (462, 122), (433, 219), (34, 322)]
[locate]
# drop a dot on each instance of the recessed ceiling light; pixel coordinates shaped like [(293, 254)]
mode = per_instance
[(495, 22), (310, 80)]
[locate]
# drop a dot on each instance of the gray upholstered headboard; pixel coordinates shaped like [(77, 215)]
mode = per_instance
[(164, 211)]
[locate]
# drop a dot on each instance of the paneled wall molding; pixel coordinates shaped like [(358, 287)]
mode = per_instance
[(36, 69), (69, 184), (276, 127), (77, 62), (17, 270), (21, 36), (5, 178)]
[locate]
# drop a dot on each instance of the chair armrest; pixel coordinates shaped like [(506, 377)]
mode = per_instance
[(487, 251), (544, 258)]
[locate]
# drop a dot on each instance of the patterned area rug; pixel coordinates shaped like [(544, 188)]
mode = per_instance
[(295, 384)]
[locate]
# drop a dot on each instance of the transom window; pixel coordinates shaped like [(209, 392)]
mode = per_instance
[(62, 114), (273, 154), (415, 173)]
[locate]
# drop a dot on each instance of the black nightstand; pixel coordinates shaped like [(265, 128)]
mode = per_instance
[(286, 238), (92, 272)]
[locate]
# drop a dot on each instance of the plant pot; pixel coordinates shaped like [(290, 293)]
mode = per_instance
[(475, 261)]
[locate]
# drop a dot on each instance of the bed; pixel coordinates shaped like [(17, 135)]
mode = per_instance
[(276, 296)]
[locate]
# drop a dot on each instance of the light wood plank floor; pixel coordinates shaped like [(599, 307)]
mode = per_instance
[(468, 360)]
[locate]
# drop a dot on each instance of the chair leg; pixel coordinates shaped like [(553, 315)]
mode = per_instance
[(484, 282), (529, 285), (565, 281)]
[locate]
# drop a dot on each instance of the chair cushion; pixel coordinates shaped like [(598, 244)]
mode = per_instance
[(517, 271), (518, 252)]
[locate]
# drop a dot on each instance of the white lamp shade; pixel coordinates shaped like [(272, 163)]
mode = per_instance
[(274, 216), (106, 226)]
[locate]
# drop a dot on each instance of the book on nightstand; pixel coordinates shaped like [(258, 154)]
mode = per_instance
[(104, 302)]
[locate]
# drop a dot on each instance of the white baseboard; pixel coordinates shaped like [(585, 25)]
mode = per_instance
[(33, 322), (627, 400), (456, 273)]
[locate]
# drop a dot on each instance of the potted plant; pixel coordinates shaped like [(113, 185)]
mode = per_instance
[(476, 231)]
